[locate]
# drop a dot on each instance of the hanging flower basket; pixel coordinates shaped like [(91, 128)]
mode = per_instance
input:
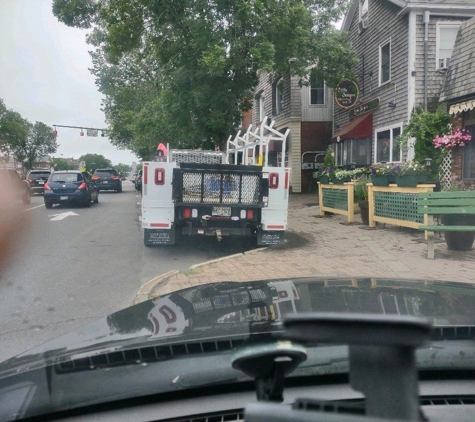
[(458, 138)]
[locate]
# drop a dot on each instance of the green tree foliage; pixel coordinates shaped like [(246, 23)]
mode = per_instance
[(62, 164), (122, 168), (95, 161), (13, 128), (38, 142), (424, 126), (181, 72)]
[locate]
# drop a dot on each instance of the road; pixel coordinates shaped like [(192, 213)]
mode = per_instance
[(84, 263)]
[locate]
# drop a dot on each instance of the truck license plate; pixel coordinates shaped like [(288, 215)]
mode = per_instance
[(222, 211)]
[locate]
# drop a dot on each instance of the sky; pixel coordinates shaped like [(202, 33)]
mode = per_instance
[(44, 76)]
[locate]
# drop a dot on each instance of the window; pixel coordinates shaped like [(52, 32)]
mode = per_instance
[(446, 35), (353, 152), (387, 146), (469, 156), (262, 112), (363, 9), (384, 63), (317, 90), (279, 97)]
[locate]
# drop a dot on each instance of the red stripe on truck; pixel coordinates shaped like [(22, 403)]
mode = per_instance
[(275, 226), (159, 225)]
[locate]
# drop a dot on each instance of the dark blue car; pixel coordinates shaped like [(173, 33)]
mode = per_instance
[(70, 186)]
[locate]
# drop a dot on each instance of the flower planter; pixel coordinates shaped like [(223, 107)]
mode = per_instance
[(364, 210), (341, 181), (459, 241), (407, 181), (324, 180), (411, 180), (381, 180)]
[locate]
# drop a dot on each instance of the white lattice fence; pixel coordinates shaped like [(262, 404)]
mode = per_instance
[(445, 171)]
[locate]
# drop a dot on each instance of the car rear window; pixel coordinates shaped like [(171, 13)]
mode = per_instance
[(106, 173), (39, 174), (67, 177)]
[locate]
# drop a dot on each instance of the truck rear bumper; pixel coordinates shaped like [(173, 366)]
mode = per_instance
[(217, 231)]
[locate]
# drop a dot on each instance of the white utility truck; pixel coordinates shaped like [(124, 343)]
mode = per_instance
[(212, 193)]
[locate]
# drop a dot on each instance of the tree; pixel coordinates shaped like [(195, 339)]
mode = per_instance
[(62, 164), (38, 142), (95, 161), (182, 72), (13, 128), (122, 168)]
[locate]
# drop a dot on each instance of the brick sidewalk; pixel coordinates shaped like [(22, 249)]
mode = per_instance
[(328, 247)]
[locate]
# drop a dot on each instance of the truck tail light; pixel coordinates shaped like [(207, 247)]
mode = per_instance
[(273, 180), (159, 176), (250, 214), (194, 213), (144, 175), (286, 180), (187, 213)]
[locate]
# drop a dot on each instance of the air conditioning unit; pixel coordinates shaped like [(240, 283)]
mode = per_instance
[(363, 24), (444, 63), (307, 166)]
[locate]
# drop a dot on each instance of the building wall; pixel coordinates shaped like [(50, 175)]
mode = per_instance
[(435, 78), (316, 113)]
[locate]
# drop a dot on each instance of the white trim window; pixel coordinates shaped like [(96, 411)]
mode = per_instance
[(279, 96), (262, 111), (386, 147), (445, 41), (364, 7), (385, 63), (317, 93)]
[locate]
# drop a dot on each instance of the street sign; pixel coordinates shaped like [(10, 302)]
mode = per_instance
[(92, 132)]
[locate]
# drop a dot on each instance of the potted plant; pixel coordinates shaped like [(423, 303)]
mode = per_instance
[(381, 174), (410, 174), (342, 176), (457, 240), (361, 197), (325, 175)]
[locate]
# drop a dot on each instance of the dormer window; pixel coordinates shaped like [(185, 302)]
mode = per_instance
[(446, 35)]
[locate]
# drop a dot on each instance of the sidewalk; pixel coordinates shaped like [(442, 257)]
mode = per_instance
[(327, 247)]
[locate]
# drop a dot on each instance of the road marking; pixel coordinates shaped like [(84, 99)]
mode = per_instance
[(62, 216), (29, 209)]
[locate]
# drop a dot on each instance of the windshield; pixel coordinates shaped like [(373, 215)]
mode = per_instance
[(275, 159)]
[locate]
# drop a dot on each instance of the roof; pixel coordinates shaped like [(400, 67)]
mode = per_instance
[(460, 78), (448, 7)]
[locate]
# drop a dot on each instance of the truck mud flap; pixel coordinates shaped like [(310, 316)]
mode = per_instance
[(274, 237), (157, 237)]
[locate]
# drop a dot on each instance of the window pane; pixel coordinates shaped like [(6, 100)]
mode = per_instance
[(447, 37), (317, 94), (383, 146), (363, 7), (385, 63), (469, 156), (396, 156)]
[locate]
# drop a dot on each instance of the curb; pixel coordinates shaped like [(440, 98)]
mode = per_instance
[(149, 286), (145, 290)]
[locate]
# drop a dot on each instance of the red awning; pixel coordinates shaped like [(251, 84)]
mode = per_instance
[(359, 128)]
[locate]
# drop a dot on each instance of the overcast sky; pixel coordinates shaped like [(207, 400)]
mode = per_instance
[(44, 76)]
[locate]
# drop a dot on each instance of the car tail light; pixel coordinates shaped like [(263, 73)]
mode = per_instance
[(46, 186), (274, 180), (115, 177), (95, 177), (250, 214), (187, 213), (82, 186), (160, 176)]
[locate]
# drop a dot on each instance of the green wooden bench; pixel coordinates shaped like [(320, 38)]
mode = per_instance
[(438, 203)]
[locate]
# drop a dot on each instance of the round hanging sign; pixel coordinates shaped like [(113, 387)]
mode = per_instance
[(346, 94)]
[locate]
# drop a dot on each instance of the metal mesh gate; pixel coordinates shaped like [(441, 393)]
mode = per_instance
[(212, 188), (399, 206)]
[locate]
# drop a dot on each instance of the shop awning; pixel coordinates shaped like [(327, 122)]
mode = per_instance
[(358, 128), (465, 106)]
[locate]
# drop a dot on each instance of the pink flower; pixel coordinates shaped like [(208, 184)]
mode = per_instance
[(458, 138)]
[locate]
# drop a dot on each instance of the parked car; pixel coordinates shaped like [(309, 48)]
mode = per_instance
[(70, 186), (18, 188), (107, 179), (37, 179), (138, 181)]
